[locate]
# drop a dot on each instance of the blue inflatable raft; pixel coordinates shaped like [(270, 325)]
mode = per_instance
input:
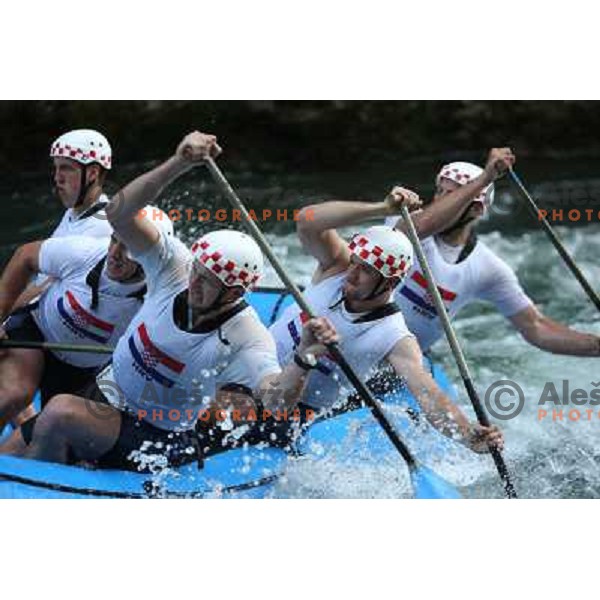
[(239, 473)]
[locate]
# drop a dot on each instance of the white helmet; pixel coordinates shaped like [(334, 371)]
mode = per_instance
[(85, 146), (387, 250), (463, 173), (158, 217), (234, 257)]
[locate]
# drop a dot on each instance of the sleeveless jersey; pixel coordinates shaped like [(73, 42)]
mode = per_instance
[(64, 314), (166, 375), (92, 222), (481, 276), (364, 344)]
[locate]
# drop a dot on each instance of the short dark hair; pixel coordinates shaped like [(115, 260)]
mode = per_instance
[(102, 172)]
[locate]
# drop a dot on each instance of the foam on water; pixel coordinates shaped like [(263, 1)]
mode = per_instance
[(546, 458)]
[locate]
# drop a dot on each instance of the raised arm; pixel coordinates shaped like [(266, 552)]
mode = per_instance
[(140, 234), (317, 226), (445, 211), (440, 411), (547, 334), (17, 274)]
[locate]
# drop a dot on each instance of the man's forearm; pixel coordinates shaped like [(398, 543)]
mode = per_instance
[(554, 337), (436, 217), (338, 213), (445, 212), (143, 190), (445, 416), (439, 410), (32, 291), (283, 391), (14, 280)]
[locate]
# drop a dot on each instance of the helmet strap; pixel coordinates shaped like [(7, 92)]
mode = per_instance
[(462, 221), (217, 301), (467, 248), (377, 288), (216, 305), (375, 292), (84, 187)]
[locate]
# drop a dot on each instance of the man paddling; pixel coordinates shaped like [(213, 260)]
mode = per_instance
[(81, 160), (97, 290), (353, 287), (467, 270), (194, 342)]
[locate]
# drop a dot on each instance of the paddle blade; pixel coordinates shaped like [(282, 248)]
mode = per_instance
[(427, 485)]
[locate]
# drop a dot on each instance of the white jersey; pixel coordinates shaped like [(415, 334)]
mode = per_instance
[(167, 375), (481, 276), (91, 222), (64, 314), (364, 344)]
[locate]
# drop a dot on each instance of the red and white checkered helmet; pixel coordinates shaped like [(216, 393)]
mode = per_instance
[(463, 173), (234, 257), (85, 146), (384, 248)]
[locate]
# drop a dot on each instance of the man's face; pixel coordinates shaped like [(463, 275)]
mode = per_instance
[(447, 186), (361, 280), (67, 179), (119, 266), (204, 287)]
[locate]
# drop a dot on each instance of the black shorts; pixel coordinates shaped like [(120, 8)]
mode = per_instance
[(144, 448), (58, 377), (272, 431)]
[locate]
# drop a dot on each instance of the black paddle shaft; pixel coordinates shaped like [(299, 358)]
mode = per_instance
[(373, 404), (497, 457), (482, 417), (52, 346), (568, 259)]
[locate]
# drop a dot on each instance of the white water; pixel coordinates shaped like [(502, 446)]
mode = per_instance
[(547, 459)]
